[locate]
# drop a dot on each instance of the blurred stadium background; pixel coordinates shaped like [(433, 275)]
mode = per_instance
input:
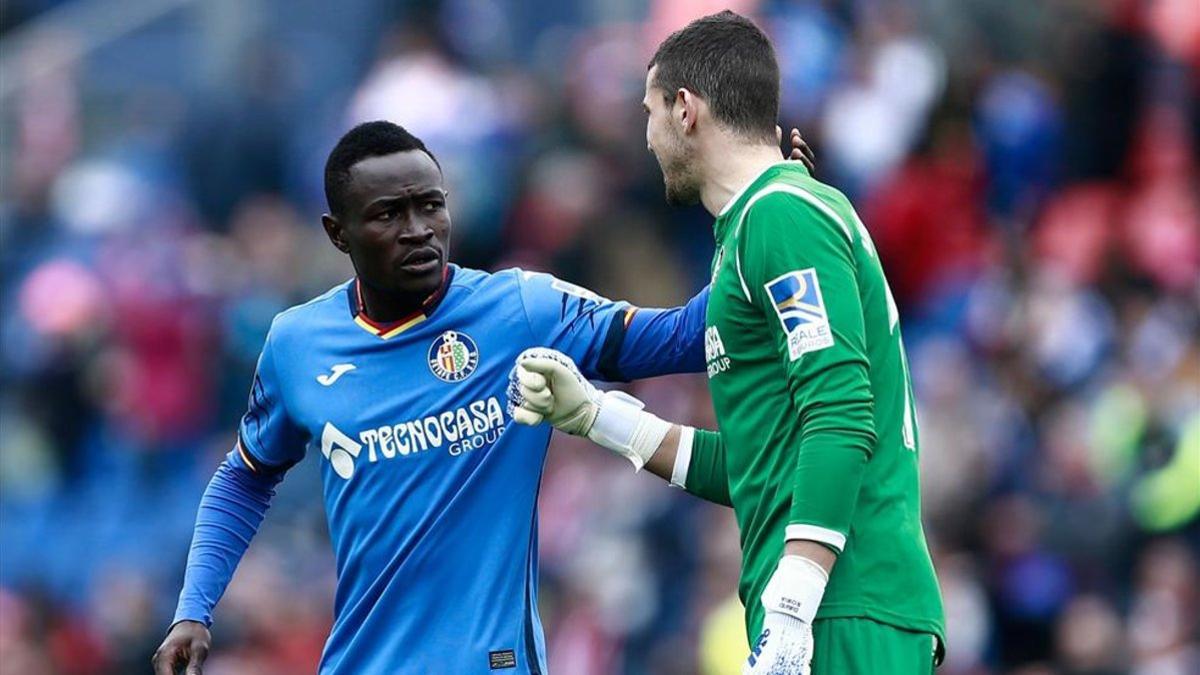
[(1028, 170)]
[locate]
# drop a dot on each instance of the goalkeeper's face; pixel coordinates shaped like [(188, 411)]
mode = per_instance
[(395, 227), (667, 141)]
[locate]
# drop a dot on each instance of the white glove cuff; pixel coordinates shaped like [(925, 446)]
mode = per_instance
[(623, 427), (796, 588)]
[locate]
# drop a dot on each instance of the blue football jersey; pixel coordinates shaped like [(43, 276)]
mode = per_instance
[(430, 488)]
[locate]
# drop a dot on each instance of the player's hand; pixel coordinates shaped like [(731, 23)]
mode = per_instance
[(785, 645), (187, 644), (800, 150), (546, 385)]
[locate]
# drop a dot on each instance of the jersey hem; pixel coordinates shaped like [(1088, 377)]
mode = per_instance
[(851, 611)]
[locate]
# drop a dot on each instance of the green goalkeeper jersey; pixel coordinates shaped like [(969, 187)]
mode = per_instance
[(818, 438)]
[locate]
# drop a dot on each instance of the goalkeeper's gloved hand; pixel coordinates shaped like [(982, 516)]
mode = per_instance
[(785, 645), (546, 385)]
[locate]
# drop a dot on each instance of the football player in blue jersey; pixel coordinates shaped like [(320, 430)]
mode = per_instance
[(397, 378)]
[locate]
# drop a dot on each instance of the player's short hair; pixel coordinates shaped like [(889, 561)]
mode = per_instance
[(726, 60), (369, 139)]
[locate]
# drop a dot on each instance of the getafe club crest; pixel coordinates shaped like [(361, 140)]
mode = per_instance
[(453, 356)]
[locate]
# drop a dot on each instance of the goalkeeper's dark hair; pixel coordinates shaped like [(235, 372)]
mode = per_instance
[(369, 139), (726, 60)]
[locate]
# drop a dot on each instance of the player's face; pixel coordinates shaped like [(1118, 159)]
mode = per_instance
[(396, 227), (666, 141)]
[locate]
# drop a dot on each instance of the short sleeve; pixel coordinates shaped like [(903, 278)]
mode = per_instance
[(268, 440), (571, 319), (614, 341)]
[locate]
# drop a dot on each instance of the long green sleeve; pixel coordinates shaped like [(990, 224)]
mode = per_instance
[(808, 293), (706, 475)]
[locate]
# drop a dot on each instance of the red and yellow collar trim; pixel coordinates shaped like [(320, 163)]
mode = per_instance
[(394, 328)]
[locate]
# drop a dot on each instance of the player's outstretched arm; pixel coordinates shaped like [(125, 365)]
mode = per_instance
[(547, 386)]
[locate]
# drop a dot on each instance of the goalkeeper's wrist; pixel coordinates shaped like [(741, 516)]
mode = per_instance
[(621, 425), (796, 588)]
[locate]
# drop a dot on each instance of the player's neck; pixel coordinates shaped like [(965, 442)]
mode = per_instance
[(729, 166), (385, 307), (382, 307)]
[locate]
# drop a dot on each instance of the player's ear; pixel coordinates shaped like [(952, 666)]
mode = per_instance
[(685, 110), (333, 230)]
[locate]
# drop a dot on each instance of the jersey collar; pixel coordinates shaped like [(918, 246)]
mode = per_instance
[(719, 224), (394, 328)]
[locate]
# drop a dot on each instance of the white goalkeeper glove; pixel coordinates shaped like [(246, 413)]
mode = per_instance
[(546, 385), (785, 645)]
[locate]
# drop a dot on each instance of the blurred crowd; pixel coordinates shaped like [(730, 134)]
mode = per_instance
[(1028, 171)]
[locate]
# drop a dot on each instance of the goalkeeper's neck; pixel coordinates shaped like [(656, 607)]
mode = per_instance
[(728, 163)]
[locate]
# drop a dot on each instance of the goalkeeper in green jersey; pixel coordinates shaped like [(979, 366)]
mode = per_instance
[(818, 446)]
